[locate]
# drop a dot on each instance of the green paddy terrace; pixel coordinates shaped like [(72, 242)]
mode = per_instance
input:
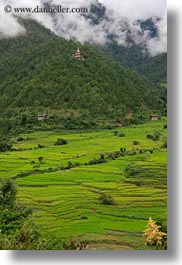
[(66, 201)]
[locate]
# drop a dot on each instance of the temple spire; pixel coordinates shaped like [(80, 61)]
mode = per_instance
[(78, 55)]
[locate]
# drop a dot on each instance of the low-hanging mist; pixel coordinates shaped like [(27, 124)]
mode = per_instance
[(116, 20)]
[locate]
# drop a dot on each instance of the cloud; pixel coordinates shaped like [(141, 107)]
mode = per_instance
[(137, 9), (9, 26), (119, 21), (158, 44)]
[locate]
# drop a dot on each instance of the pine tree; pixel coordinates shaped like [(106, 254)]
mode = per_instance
[(152, 234)]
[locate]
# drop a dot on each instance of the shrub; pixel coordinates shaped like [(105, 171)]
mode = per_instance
[(136, 142), (102, 159), (7, 193), (5, 146), (40, 159), (75, 244), (131, 153), (98, 161), (84, 217), (19, 139), (156, 136), (61, 141), (164, 145), (77, 164), (133, 170), (115, 132), (106, 199), (111, 156), (93, 162), (41, 146), (141, 151), (150, 136), (151, 151), (121, 134), (36, 166), (123, 150), (70, 165)]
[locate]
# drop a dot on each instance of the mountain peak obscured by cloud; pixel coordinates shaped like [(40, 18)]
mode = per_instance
[(116, 18)]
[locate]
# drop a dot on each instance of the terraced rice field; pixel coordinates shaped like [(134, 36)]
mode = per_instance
[(66, 201)]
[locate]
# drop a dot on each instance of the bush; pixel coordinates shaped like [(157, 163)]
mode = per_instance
[(136, 142), (150, 136), (133, 170), (7, 193), (131, 153), (36, 166), (121, 134), (102, 159), (40, 159), (164, 145), (106, 199), (5, 146), (41, 146), (61, 141), (156, 136), (19, 139), (115, 132), (77, 164), (93, 162), (84, 217), (75, 244), (123, 150), (98, 161)]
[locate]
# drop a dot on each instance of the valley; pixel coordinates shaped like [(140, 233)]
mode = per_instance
[(64, 184)]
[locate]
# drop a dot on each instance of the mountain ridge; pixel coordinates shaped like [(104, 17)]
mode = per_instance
[(39, 72)]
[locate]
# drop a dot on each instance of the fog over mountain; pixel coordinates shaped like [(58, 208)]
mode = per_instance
[(119, 19)]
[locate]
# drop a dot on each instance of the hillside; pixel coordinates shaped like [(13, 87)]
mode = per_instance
[(155, 69), (133, 56), (39, 74)]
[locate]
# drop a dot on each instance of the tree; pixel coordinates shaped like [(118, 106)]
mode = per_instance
[(61, 141), (7, 193), (5, 146), (136, 142), (40, 159), (17, 227), (106, 199), (153, 235)]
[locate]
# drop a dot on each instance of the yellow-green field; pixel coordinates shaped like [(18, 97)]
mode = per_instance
[(66, 201)]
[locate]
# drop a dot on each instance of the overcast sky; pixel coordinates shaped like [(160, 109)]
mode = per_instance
[(75, 26), (137, 9)]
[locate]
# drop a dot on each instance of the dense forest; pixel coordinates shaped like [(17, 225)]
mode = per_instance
[(133, 56), (153, 68), (39, 74)]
